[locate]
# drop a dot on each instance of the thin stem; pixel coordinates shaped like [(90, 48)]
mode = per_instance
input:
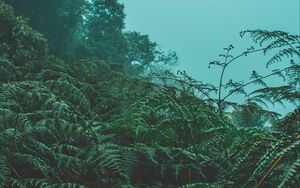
[(221, 83), (261, 182), (253, 81), (226, 64), (261, 49), (245, 53)]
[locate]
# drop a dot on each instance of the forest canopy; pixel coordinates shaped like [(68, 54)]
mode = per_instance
[(85, 104)]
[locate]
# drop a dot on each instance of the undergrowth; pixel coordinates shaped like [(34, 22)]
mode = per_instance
[(89, 125)]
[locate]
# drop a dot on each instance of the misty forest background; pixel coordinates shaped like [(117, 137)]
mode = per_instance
[(85, 104)]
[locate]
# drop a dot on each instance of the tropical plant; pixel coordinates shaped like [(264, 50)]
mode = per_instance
[(88, 124)]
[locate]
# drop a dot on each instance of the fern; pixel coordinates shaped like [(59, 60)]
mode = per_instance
[(290, 172), (87, 125)]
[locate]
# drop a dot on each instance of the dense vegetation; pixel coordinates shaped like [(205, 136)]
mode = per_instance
[(75, 111)]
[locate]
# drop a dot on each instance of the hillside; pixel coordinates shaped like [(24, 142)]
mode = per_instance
[(69, 121)]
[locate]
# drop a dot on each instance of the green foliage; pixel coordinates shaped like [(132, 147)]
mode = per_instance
[(255, 158), (57, 20), (144, 54), (89, 124), (19, 43), (104, 30), (252, 115), (287, 46), (79, 30)]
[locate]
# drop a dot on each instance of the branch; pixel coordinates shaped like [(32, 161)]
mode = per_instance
[(253, 81), (292, 47), (221, 80), (226, 64)]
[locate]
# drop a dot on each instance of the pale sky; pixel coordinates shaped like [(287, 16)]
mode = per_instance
[(198, 30)]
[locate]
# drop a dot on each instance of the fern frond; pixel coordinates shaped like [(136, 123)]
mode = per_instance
[(30, 182), (66, 185), (290, 172), (70, 93), (34, 162), (291, 123), (4, 170), (204, 185)]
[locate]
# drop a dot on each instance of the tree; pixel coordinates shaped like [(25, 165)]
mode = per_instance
[(19, 43), (82, 125), (57, 20), (143, 54), (105, 22), (141, 51)]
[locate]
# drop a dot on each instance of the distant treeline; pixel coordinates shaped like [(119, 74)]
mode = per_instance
[(85, 29)]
